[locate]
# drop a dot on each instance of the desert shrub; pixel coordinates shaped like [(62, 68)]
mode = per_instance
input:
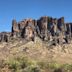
[(67, 67), (2, 63), (20, 64), (32, 69), (24, 64), (31, 66), (58, 70), (13, 65), (43, 65), (52, 65)]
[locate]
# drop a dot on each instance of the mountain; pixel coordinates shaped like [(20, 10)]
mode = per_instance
[(42, 45)]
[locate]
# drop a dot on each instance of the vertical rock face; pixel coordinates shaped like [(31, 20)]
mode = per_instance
[(24, 29), (68, 32), (68, 29), (60, 29), (29, 29), (1, 37), (71, 28), (54, 26), (47, 28), (4, 37), (43, 25), (15, 28), (61, 24)]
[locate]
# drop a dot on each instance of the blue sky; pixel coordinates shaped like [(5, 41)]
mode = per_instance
[(21, 9)]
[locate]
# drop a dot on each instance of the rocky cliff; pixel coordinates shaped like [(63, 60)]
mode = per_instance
[(47, 28), (43, 45)]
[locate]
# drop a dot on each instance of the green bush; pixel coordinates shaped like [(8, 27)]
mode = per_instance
[(43, 65), (67, 67), (24, 64), (32, 69), (52, 65), (20, 64), (13, 65)]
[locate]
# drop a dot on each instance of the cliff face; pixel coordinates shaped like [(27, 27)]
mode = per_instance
[(47, 28), (39, 41)]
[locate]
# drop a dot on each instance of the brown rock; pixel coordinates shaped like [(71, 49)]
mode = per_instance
[(43, 25), (15, 29)]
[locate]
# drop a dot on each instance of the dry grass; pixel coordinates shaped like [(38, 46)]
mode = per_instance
[(35, 55)]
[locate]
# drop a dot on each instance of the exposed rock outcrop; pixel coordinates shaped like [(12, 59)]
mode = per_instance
[(4, 37), (47, 28)]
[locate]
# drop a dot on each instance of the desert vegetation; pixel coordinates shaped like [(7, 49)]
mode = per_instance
[(24, 64), (35, 56)]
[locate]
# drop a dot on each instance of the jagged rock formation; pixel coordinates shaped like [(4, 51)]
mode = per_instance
[(24, 29), (47, 28), (44, 33), (4, 36)]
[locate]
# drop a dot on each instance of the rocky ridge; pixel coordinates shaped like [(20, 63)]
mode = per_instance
[(43, 41)]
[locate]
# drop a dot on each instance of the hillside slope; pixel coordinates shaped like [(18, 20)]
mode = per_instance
[(38, 51)]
